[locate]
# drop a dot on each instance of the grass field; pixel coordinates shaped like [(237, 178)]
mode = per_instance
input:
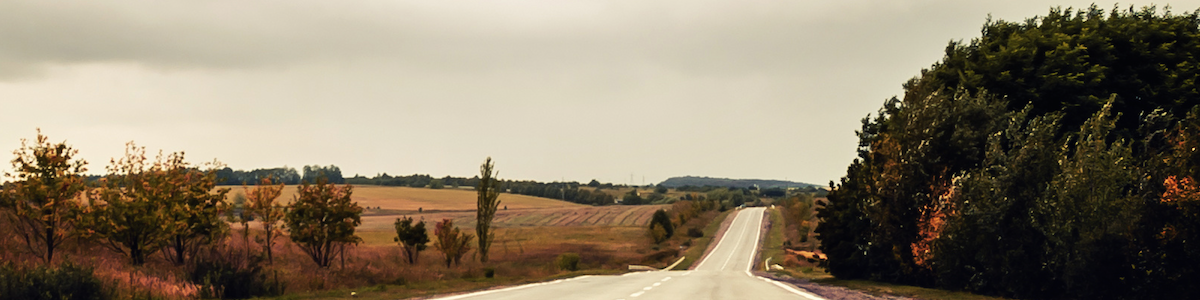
[(397, 198)]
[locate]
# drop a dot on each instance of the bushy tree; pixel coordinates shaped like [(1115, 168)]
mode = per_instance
[(451, 241), (660, 226), (144, 206), (43, 200), (322, 220), (195, 203), (411, 237)]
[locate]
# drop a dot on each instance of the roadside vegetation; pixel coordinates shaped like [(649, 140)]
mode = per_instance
[(159, 227), (1050, 158)]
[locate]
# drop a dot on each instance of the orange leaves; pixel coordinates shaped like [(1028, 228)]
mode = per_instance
[(1179, 189)]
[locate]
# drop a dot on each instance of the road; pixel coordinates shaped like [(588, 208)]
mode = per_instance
[(723, 274)]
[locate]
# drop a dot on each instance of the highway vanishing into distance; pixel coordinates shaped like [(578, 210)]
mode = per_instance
[(723, 274)]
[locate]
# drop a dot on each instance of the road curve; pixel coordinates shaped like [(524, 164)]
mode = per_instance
[(723, 274)]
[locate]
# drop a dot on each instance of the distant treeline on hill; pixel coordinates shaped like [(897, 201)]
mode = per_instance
[(675, 182)]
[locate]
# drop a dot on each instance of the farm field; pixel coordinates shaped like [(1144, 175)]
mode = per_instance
[(519, 215), (411, 199), (579, 216)]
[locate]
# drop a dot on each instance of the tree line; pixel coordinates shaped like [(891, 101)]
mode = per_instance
[(284, 175), (1050, 158)]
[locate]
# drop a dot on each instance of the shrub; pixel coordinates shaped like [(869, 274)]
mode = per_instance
[(67, 281), (489, 272), (232, 276), (695, 232), (568, 261)]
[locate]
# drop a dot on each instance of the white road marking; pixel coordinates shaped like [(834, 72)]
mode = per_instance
[(657, 283), (792, 289), (519, 287), (635, 295), (719, 242), (665, 279)]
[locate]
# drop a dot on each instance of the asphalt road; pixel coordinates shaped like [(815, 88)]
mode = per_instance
[(723, 274)]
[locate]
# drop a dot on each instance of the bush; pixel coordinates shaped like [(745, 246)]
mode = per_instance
[(695, 232), (568, 261), (67, 281), (489, 272), (232, 276)]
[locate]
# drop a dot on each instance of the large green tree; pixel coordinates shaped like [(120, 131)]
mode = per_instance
[(1033, 161)]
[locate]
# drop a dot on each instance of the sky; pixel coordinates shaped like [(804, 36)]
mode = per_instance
[(622, 91)]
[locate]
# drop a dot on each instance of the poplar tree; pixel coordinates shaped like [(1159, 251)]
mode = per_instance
[(489, 200)]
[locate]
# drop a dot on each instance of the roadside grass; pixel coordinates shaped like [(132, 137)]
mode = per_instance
[(699, 245), (434, 288), (772, 247)]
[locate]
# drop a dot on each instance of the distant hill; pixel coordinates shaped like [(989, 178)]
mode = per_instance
[(675, 182)]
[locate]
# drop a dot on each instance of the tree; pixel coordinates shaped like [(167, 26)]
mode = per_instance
[(43, 201), (262, 205), (129, 213), (412, 238), (593, 183), (436, 184), (489, 200), (452, 242), (660, 189), (193, 206), (322, 220), (632, 198), (1038, 161), (660, 221)]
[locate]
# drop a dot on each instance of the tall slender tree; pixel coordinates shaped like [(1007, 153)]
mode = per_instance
[(489, 200), (43, 200)]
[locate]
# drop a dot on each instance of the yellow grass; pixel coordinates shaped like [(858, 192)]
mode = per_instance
[(412, 199)]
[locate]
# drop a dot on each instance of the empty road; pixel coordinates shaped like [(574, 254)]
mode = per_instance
[(723, 274)]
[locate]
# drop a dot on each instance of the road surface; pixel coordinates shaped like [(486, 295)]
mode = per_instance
[(723, 274)]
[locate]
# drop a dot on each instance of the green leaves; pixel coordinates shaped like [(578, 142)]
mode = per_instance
[(322, 220), (1043, 173), (412, 238), (43, 201)]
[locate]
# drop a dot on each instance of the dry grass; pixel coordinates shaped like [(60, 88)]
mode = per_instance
[(411, 199), (530, 235)]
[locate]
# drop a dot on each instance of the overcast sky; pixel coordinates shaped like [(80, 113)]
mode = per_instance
[(550, 89)]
